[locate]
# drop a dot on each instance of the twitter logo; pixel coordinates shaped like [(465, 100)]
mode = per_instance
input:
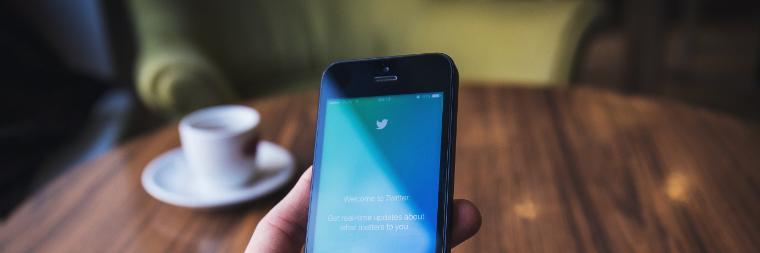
[(381, 124)]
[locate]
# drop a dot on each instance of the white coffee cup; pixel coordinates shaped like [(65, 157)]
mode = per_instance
[(219, 144)]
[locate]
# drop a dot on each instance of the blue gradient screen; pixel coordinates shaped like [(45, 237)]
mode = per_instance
[(379, 172)]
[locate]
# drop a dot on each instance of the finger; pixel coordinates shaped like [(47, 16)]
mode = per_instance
[(466, 221), (283, 229)]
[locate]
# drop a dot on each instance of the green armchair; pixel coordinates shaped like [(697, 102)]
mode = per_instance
[(197, 53)]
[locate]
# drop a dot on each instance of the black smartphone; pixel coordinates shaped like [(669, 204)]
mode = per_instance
[(384, 156)]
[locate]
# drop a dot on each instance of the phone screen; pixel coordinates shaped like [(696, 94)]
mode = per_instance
[(378, 186)]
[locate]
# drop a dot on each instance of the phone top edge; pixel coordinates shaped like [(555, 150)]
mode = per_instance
[(369, 59)]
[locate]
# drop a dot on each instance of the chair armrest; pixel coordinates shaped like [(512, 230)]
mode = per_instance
[(177, 81), (173, 75)]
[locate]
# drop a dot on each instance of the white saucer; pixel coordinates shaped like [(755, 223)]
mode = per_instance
[(167, 179)]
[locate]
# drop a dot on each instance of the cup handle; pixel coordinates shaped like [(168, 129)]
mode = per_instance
[(251, 146)]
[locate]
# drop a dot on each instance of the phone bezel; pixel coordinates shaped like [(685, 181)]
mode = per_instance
[(434, 72)]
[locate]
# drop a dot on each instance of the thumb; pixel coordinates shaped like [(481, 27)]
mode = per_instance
[(283, 229)]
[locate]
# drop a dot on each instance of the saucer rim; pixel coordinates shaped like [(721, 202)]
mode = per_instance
[(160, 193)]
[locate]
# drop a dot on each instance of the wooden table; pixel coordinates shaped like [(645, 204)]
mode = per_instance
[(563, 170)]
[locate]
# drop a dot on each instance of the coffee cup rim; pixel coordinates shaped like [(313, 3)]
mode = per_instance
[(247, 117)]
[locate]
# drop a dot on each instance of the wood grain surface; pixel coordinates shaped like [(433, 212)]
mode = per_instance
[(564, 170)]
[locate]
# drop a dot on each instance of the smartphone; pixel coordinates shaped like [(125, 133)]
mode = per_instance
[(384, 156)]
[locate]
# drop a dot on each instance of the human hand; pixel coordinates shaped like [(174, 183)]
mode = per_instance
[(283, 229)]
